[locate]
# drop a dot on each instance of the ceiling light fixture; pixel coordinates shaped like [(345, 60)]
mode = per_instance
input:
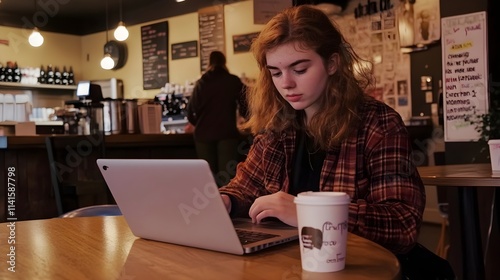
[(35, 39), (121, 32), (107, 63)]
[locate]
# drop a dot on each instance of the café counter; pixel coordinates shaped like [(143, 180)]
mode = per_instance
[(27, 159)]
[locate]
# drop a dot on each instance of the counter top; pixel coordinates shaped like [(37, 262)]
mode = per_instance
[(28, 156), (115, 140)]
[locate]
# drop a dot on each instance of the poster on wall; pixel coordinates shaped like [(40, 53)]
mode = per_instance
[(374, 37), (418, 22), (465, 74), (154, 41)]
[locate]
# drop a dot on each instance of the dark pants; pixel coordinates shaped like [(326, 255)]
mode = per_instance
[(222, 156)]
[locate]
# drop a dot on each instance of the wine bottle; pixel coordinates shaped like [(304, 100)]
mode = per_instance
[(42, 77), (71, 76), (9, 73), (65, 76), (2, 73), (57, 76), (50, 75), (16, 73)]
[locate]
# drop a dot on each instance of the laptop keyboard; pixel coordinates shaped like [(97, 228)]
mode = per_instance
[(247, 236)]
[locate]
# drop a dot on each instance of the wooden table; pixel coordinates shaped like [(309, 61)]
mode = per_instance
[(467, 177), (104, 248)]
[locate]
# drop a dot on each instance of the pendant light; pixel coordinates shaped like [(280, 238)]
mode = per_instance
[(35, 39), (107, 62), (121, 32)]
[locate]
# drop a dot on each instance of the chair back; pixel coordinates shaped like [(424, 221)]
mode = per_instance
[(95, 210), (75, 176)]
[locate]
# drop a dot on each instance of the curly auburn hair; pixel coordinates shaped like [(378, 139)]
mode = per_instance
[(309, 28)]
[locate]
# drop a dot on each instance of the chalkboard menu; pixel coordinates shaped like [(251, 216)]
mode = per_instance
[(212, 38), (154, 40), (184, 50), (465, 87), (242, 43)]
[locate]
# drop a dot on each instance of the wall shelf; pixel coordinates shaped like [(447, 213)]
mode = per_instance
[(41, 95), (11, 85)]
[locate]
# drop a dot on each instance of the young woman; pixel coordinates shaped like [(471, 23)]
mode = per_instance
[(316, 130)]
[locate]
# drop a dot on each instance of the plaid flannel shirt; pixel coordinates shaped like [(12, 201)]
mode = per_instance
[(374, 166)]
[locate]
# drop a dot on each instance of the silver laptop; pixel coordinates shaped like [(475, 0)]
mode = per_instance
[(177, 201)]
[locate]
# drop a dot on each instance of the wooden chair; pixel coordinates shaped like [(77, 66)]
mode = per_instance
[(75, 177)]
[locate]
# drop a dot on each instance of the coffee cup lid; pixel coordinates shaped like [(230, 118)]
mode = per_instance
[(322, 198)]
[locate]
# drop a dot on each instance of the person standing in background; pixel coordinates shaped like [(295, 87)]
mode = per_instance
[(217, 98)]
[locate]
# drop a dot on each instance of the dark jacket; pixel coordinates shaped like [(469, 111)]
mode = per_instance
[(213, 104)]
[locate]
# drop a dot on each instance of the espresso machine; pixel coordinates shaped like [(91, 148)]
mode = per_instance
[(85, 116)]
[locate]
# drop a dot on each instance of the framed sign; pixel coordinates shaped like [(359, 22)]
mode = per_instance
[(465, 74), (184, 50), (154, 40), (242, 43)]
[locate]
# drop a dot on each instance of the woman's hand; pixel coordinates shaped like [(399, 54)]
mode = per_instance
[(279, 205), (227, 202), (189, 128)]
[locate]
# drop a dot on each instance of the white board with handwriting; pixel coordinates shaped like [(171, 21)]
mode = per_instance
[(465, 74)]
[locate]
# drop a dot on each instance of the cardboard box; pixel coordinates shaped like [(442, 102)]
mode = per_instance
[(149, 118), (11, 128)]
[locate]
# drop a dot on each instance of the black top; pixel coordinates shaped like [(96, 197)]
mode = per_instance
[(307, 165)]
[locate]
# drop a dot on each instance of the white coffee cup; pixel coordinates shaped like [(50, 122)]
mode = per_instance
[(322, 224)]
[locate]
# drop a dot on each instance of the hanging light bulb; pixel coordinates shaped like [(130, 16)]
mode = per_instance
[(36, 39), (107, 63), (121, 32)]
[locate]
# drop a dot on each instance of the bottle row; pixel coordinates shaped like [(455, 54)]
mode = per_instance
[(30, 75), (10, 72), (54, 76)]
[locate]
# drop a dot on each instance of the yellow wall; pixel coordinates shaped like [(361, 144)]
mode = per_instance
[(58, 49), (84, 53), (238, 20)]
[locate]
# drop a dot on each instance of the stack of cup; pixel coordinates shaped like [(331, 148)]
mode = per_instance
[(322, 224)]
